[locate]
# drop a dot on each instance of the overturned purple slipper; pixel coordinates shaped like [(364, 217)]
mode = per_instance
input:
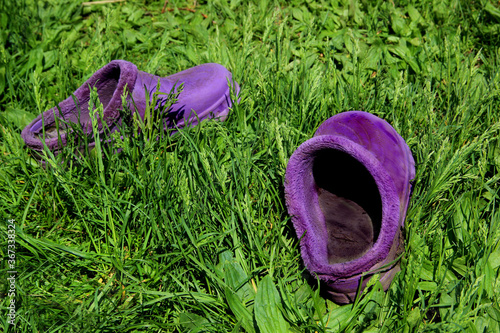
[(347, 190), (205, 94)]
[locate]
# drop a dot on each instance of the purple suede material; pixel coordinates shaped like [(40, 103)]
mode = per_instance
[(205, 94), (384, 154)]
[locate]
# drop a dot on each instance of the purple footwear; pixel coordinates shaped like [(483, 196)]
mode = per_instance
[(205, 95), (347, 190)]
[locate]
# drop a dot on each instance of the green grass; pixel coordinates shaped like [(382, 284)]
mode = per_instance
[(190, 233)]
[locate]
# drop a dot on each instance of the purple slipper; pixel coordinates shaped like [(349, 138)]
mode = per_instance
[(205, 95), (347, 190)]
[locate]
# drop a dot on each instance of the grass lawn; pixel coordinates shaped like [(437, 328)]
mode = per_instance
[(190, 233)]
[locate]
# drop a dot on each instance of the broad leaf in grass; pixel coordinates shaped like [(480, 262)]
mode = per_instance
[(236, 278), (494, 259), (35, 59), (496, 157), (337, 318), (374, 56), (297, 14), (427, 286), (448, 300), (459, 265), (489, 279), (19, 118), (337, 39), (441, 10), (267, 311), (192, 322), (413, 317), (492, 11), (493, 317), (481, 324), (399, 25), (50, 58), (402, 51), (415, 15), (239, 310), (2, 79)]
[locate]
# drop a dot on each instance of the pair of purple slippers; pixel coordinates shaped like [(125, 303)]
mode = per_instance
[(347, 189)]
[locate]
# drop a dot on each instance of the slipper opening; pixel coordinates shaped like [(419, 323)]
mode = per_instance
[(350, 202), (71, 112)]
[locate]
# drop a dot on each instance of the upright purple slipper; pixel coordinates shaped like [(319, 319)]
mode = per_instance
[(205, 94), (347, 190)]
